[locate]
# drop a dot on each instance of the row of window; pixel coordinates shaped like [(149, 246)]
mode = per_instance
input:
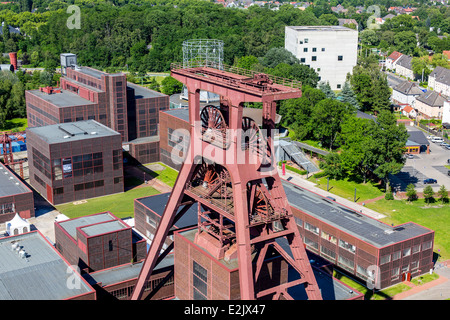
[(7, 208), (343, 244), (405, 252), (314, 58)]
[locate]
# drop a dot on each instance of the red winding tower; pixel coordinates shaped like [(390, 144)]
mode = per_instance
[(229, 172)]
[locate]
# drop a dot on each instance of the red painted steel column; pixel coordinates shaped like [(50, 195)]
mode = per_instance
[(246, 280)]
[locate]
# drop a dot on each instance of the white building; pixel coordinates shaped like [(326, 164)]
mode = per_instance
[(330, 50), (405, 93), (439, 80)]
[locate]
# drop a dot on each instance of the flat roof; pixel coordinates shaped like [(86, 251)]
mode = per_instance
[(104, 227), (180, 113), (348, 220), (90, 71), (72, 131), (42, 275), (63, 99), (157, 203), (71, 225), (345, 219), (10, 183), (321, 28), (144, 93), (124, 272)]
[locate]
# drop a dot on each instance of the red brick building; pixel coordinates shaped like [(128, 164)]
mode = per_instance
[(89, 94), (75, 161), (15, 196)]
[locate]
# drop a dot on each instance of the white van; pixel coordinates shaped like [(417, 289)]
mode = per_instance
[(437, 140)]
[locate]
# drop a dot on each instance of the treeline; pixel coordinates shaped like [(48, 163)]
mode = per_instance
[(149, 37), (12, 92)]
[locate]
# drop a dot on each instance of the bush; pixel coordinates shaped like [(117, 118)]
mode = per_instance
[(319, 175), (389, 196)]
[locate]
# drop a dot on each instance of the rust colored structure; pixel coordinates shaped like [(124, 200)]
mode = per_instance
[(229, 171), (13, 59)]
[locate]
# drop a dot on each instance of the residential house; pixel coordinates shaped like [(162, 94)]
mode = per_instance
[(439, 80), (409, 111), (430, 105), (403, 67), (392, 59), (346, 22), (405, 93)]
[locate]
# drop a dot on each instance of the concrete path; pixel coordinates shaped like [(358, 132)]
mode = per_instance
[(438, 289), (298, 180)]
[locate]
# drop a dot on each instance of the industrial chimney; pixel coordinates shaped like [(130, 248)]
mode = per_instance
[(13, 59)]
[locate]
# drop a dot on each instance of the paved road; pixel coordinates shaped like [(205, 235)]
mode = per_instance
[(424, 166), (437, 292)]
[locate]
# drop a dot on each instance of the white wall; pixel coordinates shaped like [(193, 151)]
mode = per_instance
[(336, 41), (446, 112)]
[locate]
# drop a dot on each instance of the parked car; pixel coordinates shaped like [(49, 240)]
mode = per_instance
[(448, 148), (429, 181), (446, 125), (430, 137), (437, 140), (444, 144), (448, 172), (409, 156)]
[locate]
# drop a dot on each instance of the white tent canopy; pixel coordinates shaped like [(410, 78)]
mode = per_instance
[(17, 225)]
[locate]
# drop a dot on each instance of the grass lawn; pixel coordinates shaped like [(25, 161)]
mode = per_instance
[(168, 175), (368, 293), (16, 124), (434, 216), (121, 204), (346, 189)]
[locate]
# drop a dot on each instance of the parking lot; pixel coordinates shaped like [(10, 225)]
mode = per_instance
[(424, 166)]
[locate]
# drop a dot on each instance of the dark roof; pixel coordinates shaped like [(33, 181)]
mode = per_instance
[(11, 29), (405, 61), (364, 115), (408, 88), (72, 131), (143, 93), (441, 75), (418, 137), (348, 220), (431, 98), (180, 113)]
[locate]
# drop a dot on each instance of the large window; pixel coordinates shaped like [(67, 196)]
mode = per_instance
[(327, 253), (328, 237), (385, 259), (117, 159), (7, 208), (200, 281), (85, 164), (311, 228)]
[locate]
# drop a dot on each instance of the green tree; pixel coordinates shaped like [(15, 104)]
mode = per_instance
[(326, 88), (171, 86), (348, 96), (246, 62), (428, 194), (332, 166), (327, 117), (411, 193), (443, 194), (390, 141), (420, 65), (275, 56)]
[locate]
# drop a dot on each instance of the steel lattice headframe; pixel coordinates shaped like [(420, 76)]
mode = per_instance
[(203, 53)]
